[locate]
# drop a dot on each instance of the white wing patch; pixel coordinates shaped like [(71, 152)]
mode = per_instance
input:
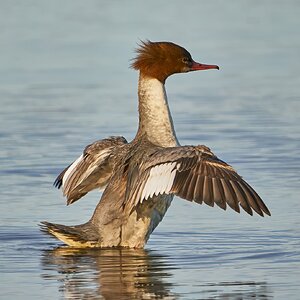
[(102, 155), (70, 169), (160, 180)]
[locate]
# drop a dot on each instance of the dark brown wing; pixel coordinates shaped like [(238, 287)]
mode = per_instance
[(91, 170), (196, 174)]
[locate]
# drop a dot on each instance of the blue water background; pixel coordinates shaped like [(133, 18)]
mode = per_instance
[(65, 81)]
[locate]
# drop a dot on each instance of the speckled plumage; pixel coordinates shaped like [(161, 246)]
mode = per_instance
[(140, 178)]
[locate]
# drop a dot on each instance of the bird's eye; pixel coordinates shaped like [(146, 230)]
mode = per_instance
[(186, 60)]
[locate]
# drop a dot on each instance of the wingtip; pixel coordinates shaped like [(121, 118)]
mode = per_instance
[(72, 200), (57, 183), (261, 212), (265, 210)]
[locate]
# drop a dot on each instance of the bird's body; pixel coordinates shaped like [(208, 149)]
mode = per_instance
[(140, 178)]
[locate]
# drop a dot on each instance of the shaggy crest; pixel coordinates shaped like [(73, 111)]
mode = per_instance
[(159, 59)]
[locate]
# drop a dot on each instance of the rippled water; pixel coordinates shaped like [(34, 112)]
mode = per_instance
[(65, 82)]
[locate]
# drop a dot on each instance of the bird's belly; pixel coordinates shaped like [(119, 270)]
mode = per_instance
[(141, 223)]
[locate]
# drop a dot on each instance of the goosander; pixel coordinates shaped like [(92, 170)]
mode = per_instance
[(140, 178)]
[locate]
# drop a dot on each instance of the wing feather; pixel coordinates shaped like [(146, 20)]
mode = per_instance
[(185, 190), (243, 197), (218, 193), (207, 191), (198, 190), (90, 170), (251, 199), (193, 181), (259, 201), (195, 174)]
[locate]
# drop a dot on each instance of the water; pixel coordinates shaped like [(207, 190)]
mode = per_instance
[(65, 82)]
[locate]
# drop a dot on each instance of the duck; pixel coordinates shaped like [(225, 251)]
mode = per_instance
[(139, 179)]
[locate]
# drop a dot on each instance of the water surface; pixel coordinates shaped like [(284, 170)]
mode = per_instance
[(65, 82)]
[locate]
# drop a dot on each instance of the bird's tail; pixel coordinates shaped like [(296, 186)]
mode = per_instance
[(74, 236)]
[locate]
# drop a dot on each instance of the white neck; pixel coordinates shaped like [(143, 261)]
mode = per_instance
[(155, 120)]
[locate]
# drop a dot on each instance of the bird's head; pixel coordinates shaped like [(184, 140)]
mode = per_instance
[(161, 59)]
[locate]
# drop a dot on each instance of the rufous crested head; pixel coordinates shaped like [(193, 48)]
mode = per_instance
[(161, 59)]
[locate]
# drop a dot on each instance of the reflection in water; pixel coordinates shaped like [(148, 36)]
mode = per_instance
[(64, 77), (239, 290), (133, 274), (108, 273)]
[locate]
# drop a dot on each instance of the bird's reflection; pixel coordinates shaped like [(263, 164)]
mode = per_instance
[(133, 274), (108, 274)]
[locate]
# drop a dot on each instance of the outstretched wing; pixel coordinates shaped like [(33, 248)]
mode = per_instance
[(196, 174), (90, 170)]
